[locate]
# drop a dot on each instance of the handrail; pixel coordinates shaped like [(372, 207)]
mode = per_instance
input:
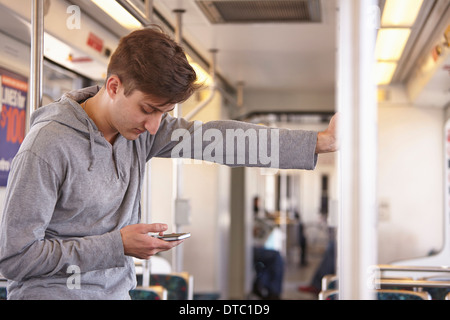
[(202, 104), (413, 283), (389, 267), (135, 12), (177, 167), (212, 88)]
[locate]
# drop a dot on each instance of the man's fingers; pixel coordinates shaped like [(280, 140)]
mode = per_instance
[(159, 245), (154, 227), (163, 244)]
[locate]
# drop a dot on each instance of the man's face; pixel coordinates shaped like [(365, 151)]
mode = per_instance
[(137, 113)]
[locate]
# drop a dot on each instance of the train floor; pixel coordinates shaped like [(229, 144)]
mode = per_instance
[(297, 275)]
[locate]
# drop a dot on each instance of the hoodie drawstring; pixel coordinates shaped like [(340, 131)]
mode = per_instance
[(92, 142), (92, 151)]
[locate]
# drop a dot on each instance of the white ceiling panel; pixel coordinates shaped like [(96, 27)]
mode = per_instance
[(284, 56)]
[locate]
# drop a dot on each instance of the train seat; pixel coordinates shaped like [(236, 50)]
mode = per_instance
[(149, 293), (437, 293), (3, 292), (179, 286), (329, 282), (390, 294)]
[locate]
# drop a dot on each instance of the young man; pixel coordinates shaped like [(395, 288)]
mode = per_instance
[(73, 195)]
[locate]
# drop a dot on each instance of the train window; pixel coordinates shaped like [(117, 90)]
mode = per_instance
[(58, 80)]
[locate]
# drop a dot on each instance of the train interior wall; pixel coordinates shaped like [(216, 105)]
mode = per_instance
[(410, 181)]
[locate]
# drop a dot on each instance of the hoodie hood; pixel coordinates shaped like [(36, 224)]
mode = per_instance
[(76, 118), (68, 112)]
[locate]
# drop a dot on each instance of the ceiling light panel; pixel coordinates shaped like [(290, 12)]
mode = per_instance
[(385, 72), (391, 43), (400, 13), (118, 13)]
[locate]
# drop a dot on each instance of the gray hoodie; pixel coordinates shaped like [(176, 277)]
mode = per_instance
[(70, 192)]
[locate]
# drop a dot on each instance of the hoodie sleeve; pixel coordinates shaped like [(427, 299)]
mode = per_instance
[(25, 250), (235, 143)]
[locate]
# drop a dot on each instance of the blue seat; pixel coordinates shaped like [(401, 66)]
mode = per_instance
[(149, 293), (437, 293), (384, 294), (3, 293)]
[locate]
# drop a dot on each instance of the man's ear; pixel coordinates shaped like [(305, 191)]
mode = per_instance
[(113, 86)]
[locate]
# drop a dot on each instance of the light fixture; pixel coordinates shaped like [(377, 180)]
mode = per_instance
[(400, 13), (391, 43), (396, 22), (385, 72), (118, 13)]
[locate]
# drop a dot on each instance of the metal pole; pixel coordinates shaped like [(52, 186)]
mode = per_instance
[(356, 94), (283, 203), (240, 94), (149, 10), (147, 218), (36, 65), (212, 69), (177, 254), (135, 12), (147, 196), (212, 88), (178, 26)]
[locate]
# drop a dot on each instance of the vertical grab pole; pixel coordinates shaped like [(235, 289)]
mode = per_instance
[(212, 88), (37, 50), (147, 190), (356, 99), (177, 254), (283, 203), (149, 10)]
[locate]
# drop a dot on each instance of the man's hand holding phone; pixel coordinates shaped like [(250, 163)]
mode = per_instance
[(139, 244)]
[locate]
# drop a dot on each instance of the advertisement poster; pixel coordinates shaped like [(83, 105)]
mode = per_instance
[(13, 101)]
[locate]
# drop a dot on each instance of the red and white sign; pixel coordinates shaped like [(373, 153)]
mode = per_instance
[(95, 42)]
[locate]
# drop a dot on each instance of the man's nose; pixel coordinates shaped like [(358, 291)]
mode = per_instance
[(153, 122)]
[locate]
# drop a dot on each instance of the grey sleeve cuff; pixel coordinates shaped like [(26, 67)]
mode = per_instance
[(297, 149)]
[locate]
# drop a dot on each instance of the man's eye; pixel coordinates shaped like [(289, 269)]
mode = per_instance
[(147, 110)]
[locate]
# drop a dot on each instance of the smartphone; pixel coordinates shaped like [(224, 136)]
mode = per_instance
[(173, 236)]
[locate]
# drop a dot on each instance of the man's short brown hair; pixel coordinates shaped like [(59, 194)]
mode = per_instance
[(148, 60)]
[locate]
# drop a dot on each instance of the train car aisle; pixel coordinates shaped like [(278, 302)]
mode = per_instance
[(300, 276)]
